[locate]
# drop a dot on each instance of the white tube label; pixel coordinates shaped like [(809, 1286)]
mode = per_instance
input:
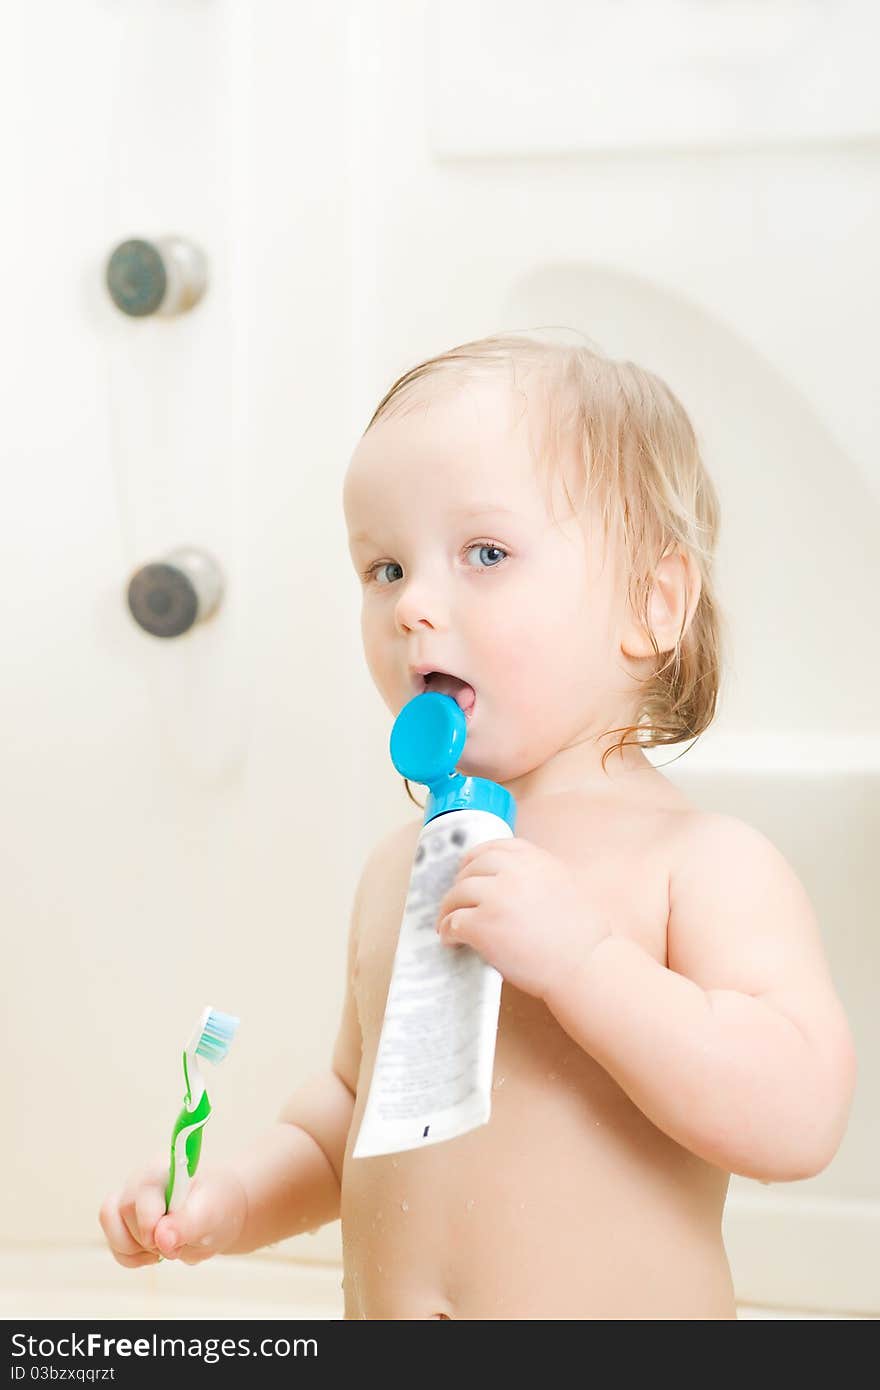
[(433, 1074)]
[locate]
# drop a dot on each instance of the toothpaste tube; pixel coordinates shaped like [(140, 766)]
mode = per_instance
[(432, 1079)]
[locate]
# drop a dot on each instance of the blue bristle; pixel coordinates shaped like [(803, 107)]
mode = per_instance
[(217, 1035)]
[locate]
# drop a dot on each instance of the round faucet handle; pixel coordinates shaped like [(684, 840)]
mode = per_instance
[(168, 597), (166, 276)]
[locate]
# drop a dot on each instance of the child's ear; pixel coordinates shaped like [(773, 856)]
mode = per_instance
[(674, 596)]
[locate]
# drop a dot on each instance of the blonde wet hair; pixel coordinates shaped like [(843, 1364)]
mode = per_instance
[(640, 464)]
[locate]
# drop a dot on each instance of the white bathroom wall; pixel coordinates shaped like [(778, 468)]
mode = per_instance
[(184, 820)]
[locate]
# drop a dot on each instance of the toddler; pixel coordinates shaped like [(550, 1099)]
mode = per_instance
[(534, 531)]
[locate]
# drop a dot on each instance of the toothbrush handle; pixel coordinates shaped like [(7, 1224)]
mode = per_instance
[(186, 1149)]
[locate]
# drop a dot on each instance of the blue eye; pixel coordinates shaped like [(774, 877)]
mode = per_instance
[(383, 565), (481, 546), (377, 569)]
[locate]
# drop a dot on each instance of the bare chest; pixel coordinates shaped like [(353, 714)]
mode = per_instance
[(619, 856), (526, 1215)]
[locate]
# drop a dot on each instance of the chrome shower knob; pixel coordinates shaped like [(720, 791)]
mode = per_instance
[(166, 276), (169, 597)]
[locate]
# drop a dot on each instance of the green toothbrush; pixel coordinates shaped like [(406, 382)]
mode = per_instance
[(212, 1038)]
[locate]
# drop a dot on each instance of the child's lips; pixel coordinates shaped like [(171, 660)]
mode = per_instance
[(464, 695)]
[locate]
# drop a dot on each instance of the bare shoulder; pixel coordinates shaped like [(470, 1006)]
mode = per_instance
[(740, 918), (388, 863), (384, 867), (733, 894), (703, 844), (393, 848)]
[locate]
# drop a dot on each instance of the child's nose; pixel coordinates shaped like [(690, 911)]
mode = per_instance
[(420, 605)]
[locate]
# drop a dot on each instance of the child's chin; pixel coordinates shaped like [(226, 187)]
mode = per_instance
[(474, 765)]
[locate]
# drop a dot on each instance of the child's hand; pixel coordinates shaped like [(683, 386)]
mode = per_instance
[(522, 909), (138, 1230)]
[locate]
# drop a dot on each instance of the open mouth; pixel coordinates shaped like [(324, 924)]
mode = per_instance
[(444, 684)]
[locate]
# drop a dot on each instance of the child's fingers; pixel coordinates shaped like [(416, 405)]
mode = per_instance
[(470, 892), (193, 1256), (452, 928), (187, 1232), (143, 1201), (188, 1254), (490, 849), (209, 1220), (149, 1209), (146, 1257), (128, 1214), (489, 865), (124, 1247), (166, 1234)]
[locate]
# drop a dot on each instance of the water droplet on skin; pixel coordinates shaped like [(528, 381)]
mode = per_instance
[(404, 1206), (551, 1076), (498, 1084), (469, 1204)]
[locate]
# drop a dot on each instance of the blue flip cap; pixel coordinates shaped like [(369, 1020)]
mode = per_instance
[(427, 741)]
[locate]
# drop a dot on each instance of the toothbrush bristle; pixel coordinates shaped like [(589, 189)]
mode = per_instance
[(217, 1035)]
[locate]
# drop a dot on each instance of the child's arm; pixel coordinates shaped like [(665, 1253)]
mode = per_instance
[(293, 1174), (290, 1182), (287, 1182), (740, 1050)]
